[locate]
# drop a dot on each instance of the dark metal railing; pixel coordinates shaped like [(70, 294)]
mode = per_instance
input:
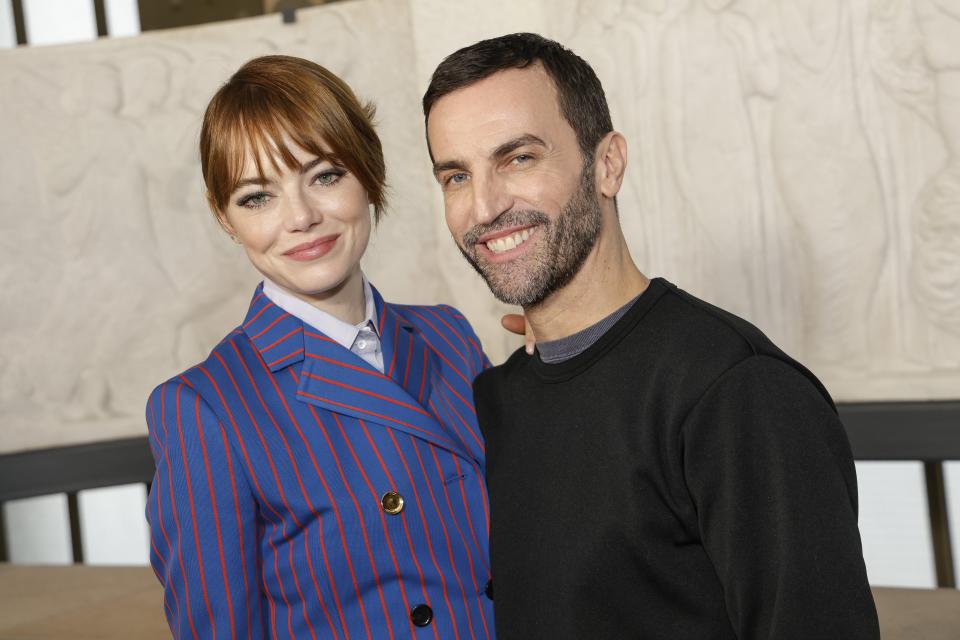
[(925, 431), (69, 470)]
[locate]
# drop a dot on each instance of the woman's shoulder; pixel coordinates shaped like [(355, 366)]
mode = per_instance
[(259, 327), (448, 331), (205, 378), (435, 318)]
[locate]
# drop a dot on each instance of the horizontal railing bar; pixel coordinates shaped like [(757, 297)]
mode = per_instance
[(926, 431), (74, 468)]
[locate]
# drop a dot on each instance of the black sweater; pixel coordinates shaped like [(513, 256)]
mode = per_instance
[(681, 478)]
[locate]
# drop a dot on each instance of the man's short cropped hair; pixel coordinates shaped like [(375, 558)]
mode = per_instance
[(582, 101)]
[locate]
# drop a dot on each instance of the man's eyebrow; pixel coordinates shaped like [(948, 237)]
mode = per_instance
[(521, 141), (447, 165), (504, 149)]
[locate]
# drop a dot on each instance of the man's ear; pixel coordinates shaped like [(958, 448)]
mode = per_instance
[(611, 163)]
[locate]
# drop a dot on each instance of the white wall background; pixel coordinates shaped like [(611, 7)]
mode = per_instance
[(59, 21), (895, 525), (795, 161), (8, 31)]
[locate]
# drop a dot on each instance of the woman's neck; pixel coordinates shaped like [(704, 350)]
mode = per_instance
[(345, 302)]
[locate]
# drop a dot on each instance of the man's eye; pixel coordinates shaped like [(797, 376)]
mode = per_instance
[(456, 178), (254, 200), (521, 158)]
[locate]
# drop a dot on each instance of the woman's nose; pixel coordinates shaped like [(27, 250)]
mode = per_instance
[(300, 214)]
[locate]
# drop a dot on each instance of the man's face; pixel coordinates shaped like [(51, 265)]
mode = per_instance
[(519, 200)]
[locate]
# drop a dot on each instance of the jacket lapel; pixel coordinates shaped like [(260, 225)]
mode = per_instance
[(407, 360), (338, 380), (277, 335)]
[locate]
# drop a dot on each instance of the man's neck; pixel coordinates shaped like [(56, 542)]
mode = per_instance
[(607, 280)]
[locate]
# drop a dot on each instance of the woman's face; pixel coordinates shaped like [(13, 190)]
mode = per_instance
[(306, 229)]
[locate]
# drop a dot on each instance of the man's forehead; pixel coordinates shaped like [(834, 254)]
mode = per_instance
[(508, 87), (501, 107)]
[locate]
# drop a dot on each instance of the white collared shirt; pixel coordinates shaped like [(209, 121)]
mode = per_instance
[(344, 333)]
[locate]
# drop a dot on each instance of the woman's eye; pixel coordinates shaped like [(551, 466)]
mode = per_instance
[(254, 200), (327, 178)]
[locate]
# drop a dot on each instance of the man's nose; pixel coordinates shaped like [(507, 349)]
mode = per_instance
[(300, 213), (491, 198)]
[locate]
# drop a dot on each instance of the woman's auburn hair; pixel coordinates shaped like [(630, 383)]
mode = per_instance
[(272, 99)]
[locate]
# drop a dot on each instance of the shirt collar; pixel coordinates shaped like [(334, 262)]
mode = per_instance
[(343, 332)]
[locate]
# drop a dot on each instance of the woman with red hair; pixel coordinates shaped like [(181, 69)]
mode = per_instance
[(320, 474)]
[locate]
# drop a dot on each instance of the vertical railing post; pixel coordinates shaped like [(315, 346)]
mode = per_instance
[(100, 12), (76, 540), (4, 554), (939, 524), (18, 21)]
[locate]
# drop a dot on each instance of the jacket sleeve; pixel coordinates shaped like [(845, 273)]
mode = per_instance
[(769, 468), (203, 521)]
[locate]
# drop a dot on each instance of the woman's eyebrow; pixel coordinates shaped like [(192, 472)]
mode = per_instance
[(264, 181), (310, 165), (260, 180)]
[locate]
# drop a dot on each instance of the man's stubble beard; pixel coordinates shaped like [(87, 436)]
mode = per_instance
[(562, 247)]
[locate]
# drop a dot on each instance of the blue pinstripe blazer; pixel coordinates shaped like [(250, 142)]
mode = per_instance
[(272, 457)]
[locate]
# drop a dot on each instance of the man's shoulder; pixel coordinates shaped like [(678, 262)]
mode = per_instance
[(501, 373), (671, 329), (709, 341), (696, 327)]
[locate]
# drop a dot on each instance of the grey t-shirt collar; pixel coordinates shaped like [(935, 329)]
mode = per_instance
[(556, 351)]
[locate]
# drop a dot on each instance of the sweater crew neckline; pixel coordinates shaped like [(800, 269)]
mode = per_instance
[(560, 371)]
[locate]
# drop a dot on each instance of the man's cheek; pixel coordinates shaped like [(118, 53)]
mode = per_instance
[(455, 220)]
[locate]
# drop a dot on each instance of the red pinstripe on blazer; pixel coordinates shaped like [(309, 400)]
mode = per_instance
[(272, 457)]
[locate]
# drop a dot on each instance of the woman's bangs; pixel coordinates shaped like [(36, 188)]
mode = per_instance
[(267, 133)]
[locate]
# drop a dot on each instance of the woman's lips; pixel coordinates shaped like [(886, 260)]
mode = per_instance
[(312, 250)]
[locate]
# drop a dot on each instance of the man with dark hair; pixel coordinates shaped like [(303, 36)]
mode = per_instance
[(658, 469)]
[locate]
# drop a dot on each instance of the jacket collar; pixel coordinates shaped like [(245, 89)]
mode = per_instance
[(277, 335), (336, 379)]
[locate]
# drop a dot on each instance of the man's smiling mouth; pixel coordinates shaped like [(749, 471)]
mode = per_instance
[(511, 241)]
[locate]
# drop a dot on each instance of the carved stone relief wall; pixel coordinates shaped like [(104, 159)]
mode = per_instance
[(794, 161)]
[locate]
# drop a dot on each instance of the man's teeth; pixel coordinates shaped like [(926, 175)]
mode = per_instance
[(508, 242)]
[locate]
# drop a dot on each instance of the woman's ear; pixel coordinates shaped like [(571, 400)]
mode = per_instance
[(222, 219), (611, 163)]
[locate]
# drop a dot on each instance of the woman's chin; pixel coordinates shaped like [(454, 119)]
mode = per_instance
[(318, 288)]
